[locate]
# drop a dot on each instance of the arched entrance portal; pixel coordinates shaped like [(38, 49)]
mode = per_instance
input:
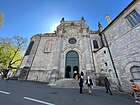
[(72, 64)]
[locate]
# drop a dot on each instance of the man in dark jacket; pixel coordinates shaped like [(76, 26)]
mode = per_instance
[(81, 84), (107, 85), (82, 74)]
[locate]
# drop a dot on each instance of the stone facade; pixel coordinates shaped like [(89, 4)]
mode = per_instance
[(123, 41), (111, 52), (47, 58)]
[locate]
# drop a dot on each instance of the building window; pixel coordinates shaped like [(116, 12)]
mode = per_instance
[(133, 18), (135, 71), (72, 41), (29, 48), (95, 44), (105, 63), (102, 70)]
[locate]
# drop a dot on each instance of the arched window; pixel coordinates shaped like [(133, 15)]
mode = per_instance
[(135, 71), (95, 44), (102, 70), (29, 48), (105, 63)]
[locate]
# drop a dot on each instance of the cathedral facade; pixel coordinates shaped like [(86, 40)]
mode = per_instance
[(113, 52)]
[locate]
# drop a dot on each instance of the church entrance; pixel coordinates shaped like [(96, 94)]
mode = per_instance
[(72, 64)]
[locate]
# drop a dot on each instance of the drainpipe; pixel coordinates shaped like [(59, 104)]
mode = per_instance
[(120, 87)]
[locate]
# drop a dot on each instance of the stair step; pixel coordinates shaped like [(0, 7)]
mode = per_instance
[(67, 83)]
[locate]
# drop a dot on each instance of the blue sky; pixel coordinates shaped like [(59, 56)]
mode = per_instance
[(29, 17)]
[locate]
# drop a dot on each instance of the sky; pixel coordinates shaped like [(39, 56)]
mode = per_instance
[(29, 17)]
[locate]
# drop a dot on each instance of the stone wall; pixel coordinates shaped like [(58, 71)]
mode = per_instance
[(43, 60), (124, 44), (103, 66)]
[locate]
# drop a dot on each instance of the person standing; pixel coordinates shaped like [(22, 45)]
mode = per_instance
[(74, 74), (135, 88), (81, 83), (89, 84), (76, 77), (82, 74), (107, 85), (9, 74)]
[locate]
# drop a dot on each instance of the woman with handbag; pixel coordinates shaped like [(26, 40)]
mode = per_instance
[(89, 84)]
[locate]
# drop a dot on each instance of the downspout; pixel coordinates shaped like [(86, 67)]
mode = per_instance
[(120, 87)]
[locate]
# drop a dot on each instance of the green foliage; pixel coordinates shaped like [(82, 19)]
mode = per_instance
[(10, 52)]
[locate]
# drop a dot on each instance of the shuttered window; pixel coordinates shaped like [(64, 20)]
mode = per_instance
[(133, 18)]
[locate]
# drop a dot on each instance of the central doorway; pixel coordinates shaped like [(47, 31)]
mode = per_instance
[(72, 64)]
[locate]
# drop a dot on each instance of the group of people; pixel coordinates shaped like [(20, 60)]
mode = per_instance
[(6, 74), (89, 84)]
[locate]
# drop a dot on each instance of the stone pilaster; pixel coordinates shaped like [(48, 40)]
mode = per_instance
[(57, 54), (87, 52), (90, 54)]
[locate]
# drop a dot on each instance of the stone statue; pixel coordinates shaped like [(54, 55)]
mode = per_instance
[(62, 20), (82, 19)]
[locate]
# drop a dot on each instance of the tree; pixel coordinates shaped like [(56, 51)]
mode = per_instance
[(10, 51)]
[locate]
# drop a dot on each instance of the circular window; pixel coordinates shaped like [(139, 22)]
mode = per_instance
[(72, 41)]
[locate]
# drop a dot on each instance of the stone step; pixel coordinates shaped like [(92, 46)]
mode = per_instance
[(70, 83), (65, 83)]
